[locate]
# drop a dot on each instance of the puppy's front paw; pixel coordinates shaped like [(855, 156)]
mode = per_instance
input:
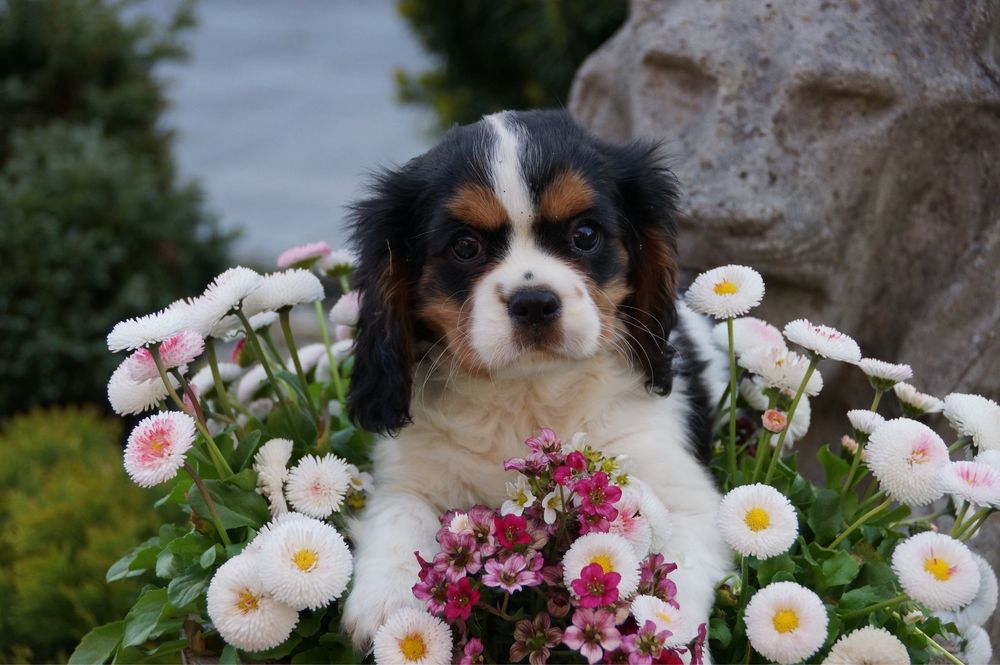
[(372, 602)]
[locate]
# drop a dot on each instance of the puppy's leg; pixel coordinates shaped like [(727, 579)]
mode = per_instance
[(394, 526)]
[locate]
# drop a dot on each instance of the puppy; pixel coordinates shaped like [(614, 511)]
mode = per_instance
[(523, 274)]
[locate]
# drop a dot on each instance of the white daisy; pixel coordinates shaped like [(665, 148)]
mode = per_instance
[(361, 481), (520, 495), (979, 611), (225, 294), (271, 464), (230, 327), (868, 646), (907, 458), (157, 446), (309, 356), (305, 563), (914, 402), (972, 481), (243, 612), (781, 369), (748, 333), (204, 382), (653, 509), (936, 570), (279, 290), (975, 416), (883, 375), (317, 485), (990, 458), (336, 263), (752, 391), (612, 552), (799, 426), (552, 505), (978, 648), (757, 520), (413, 637), (128, 397), (726, 292), (823, 341), (786, 622), (341, 351), (864, 421), (251, 383), (665, 617), (177, 351), (346, 310), (141, 331), (257, 544), (633, 527)]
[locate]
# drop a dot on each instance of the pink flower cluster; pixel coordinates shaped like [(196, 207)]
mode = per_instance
[(493, 569)]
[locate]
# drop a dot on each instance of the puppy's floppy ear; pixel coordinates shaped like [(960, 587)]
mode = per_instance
[(648, 196), (379, 396)]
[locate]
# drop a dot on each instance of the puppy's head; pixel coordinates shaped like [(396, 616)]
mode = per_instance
[(518, 243)]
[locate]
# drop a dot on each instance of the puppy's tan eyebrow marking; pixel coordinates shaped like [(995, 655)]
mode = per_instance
[(478, 206), (568, 194)]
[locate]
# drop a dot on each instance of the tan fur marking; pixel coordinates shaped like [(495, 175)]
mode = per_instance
[(478, 207), (567, 195)]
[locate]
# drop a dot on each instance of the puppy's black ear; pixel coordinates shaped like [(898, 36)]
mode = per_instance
[(648, 192), (379, 396)]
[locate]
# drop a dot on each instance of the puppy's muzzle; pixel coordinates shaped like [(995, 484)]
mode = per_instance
[(534, 307)]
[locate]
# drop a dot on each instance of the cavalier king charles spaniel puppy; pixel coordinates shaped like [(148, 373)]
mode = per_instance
[(522, 274)]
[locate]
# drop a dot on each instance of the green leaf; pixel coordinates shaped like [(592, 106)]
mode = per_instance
[(841, 568), (310, 622), (278, 652), (177, 494), (836, 469), (189, 544), (855, 599), (767, 569), (245, 450), (167, 564), (144, 615), (237, 507), (246, 480), (124, 568), (98, 645), (185, 588), (230, 656), (825, 517), (208, 557), (718, 630), (314, 655)]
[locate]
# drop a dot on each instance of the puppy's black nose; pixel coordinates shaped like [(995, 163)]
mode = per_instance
[(534, 306)]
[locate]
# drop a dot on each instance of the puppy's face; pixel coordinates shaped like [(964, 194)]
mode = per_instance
[(518, 242)]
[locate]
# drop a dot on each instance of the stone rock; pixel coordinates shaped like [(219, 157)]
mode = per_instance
[(849, 151)]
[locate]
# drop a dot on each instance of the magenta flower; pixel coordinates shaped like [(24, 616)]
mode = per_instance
[(462, 597), (645, 645), (303, 256), (473, 652), (512, 575), (458, 555), (698, 646), (432, 587), (597, 496), (653, 580), (511, 531), (534, 639), (592, 632), (553, 575), (558, 604), (595, 587), (157, 447), (484, 529), (592, 522)]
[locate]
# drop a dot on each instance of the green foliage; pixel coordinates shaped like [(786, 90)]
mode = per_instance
[(93, 226), (67, 510), (500, 55)]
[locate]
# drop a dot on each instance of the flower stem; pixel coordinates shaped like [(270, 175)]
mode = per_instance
[(265, 335), (937, 647), (877, 606), (956, 528), (973, 523), (731, 446), (861, 520), (878, 398), (286, 329), (338, 386), (208, 502), (780, 446), (959, 444), (345, 286), (220, 388), (849, 478), (221, 467), (252, 338)]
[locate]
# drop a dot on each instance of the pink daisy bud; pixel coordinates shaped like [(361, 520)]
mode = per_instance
[(156, 447), (303, 256), (175, 351), (346, 310), (849, 444), (774, 420)]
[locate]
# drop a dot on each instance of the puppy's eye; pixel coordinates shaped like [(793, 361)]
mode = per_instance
[(466, 248), (586, 238)]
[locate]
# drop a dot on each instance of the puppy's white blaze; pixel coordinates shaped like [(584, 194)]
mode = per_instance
[(491, 330), (506, 173)]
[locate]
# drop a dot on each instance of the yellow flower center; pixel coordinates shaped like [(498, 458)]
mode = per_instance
[(757, 519), (785, 621), (413, 647), (724, 288), (604, 560), (939, 568), (247, 602), (158, 445), (664, 617), (305, 559)]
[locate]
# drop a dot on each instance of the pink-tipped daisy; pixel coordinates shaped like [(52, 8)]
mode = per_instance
[(907, 458), (128, 397), (974, 416), (974, 482), (156, 447), (224, 295), (882, 375), (748, 333), (914, 402), (175, 351), (152, 328), (345, 310), (781, 369), (786, 622), (822, 340), (337, 263), (936, 570), (303, 256), (317, 485), (726, 292), (279, 290)]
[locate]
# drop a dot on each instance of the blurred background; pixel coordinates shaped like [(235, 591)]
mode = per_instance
[(147, 145)]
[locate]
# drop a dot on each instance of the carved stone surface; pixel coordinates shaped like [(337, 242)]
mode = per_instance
[(849, 151)]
